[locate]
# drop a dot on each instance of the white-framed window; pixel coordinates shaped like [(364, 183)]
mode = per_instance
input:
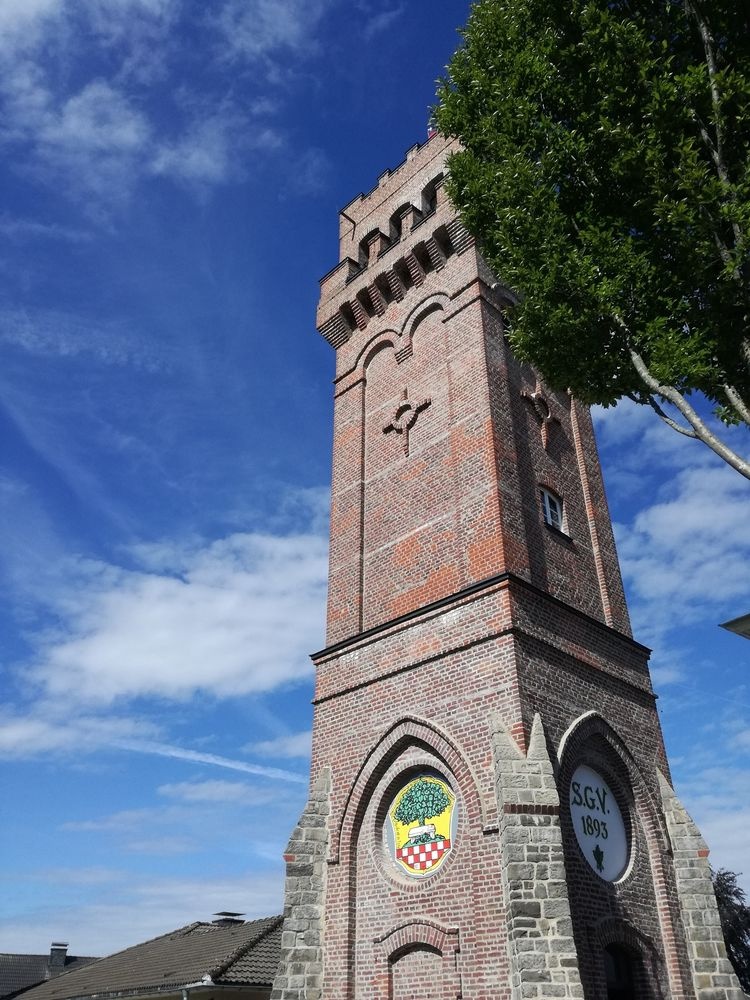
[(552, 509)]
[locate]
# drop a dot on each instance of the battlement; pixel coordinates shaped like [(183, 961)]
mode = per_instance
[(404, 190), (390, 238), (434, 140)]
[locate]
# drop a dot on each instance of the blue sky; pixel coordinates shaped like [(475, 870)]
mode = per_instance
[(169, 182)]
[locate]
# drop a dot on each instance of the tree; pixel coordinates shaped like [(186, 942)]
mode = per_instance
[(605, 170), (735, 923), (424, 800)]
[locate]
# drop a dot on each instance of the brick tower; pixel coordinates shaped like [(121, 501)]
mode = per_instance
[(490, 814)]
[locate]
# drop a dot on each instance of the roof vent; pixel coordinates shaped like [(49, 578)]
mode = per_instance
[(228, 918)]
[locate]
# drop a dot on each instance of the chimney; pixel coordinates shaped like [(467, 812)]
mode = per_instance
[(58, 952), (227, 918)]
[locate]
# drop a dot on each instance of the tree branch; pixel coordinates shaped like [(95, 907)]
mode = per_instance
[(709, 49), (721, 246), (738, 404), (702, 431), (668, 420), (713, 70)]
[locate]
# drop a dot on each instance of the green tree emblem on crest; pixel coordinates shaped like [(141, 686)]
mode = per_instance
[(422, 801)]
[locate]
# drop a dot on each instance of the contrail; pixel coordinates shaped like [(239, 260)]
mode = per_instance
[(167, 750)]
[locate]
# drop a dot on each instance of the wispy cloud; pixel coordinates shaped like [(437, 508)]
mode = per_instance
[(34, 735), (254, 29), (106, 134), (232, 792), (309, 172), (161, 905), (381, 21), (216, 760), (19, 229), (59, 334), (294, 745)]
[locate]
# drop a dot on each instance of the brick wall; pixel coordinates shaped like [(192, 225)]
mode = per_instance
[(469, 640)]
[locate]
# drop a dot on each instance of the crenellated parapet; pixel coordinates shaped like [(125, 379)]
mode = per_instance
[(390, 240)]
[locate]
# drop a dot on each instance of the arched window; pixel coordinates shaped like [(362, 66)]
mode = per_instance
[(552, 509), (619, 966)]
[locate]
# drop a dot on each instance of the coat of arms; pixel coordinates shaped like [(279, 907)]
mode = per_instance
[(421, 819)]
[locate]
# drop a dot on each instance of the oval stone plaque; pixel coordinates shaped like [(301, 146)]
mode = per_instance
[(598, 823)]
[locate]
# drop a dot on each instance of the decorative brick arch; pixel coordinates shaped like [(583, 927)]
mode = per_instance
[(380, 342), (420, 934), (411, 932), (615, 931), (576, 743), (400, 341), (438, 302), (379, 758)]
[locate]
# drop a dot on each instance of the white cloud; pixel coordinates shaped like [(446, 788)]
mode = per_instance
[(697, 532), (717, 798), (96, 141), (28, 229), (34, 735), (207, 152), (98, 119), (237, 616), (294, 745), (382, 21), (23, 21), (97, 137), (106, 922), (231, 792), (203, 154), (254, 29)]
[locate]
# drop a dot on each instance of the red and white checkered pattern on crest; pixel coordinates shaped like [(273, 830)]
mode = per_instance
[(423, 856)]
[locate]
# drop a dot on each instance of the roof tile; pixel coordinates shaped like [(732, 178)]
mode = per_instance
[(184, 956)]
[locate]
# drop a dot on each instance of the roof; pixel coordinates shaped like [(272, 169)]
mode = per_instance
[(238, 954), (20, 972), (741, 625)]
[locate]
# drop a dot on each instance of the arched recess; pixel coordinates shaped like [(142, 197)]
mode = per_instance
[(397, 220), (364, 246), (591, 739), (381, 341), (574, 743), (613, 931), (404, 733), (377, 343), (420, 936), (399, 341), (432, 303)]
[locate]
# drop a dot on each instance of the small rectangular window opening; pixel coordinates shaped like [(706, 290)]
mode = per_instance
[(552, 510)]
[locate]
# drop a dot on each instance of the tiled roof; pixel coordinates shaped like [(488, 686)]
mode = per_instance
[(259, 963), (19, 972), (237, 954)]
